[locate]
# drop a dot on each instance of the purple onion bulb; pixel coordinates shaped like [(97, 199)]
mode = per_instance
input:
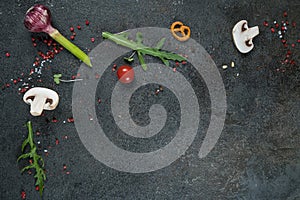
[(38, 19)]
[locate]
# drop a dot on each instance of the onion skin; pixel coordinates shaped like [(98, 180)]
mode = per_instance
[(38, 19)]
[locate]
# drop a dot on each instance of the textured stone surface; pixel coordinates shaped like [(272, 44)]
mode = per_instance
[(258, 154)]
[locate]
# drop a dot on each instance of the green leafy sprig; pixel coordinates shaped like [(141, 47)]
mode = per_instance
[(141, 49), (57, 79), (37, 161)]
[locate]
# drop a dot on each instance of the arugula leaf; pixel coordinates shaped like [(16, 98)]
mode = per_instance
[(139, 37), (37, 159), (142, 61), (26, 155), (142, 50), (160, 44)]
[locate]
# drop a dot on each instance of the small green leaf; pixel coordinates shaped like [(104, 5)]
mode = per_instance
[(39, 175), (39, 158), (160, 44), (129, 59), (26, 155), (142, 61), (166, 62), (24, 144), (57, 75), (27, 167), (56, 78), (139, 37)]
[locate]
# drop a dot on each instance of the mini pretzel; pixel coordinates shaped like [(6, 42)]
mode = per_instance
[(183, 30)]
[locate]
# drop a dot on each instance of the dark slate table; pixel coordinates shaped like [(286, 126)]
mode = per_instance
[(258, 153)]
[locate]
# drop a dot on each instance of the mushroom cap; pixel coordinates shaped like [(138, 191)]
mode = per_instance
[(243, 35), (42, 99)]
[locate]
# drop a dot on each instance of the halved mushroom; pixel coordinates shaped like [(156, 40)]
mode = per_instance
[(40, 99), (243, 35)]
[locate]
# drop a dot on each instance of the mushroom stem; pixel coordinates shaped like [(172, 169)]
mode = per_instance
[(252, 32), (37, 106)]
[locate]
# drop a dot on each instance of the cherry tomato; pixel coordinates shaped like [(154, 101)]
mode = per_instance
[(125, 74)]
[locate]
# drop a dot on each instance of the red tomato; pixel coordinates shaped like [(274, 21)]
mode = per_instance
[(125, 74)]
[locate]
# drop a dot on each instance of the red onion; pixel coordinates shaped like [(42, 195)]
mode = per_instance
[(38, 19)]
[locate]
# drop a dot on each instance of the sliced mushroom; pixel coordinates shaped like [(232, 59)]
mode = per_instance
[(243, 35), (40, 99)]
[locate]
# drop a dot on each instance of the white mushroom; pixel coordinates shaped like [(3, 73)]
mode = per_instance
[(40, 99), (243, 35)]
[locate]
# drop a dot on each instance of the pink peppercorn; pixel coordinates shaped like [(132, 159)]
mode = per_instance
[(266, 23), (54, 120), (23, 195), (71, 119), (272, 30)]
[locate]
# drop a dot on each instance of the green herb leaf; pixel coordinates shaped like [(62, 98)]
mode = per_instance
[(129, 59), (24, 144), (160, 44), (56, 78), (57, 75), (37, 159), (26, 155), (142, 61), (166, 62), (27, 167), (142, 49), (139, 37)]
